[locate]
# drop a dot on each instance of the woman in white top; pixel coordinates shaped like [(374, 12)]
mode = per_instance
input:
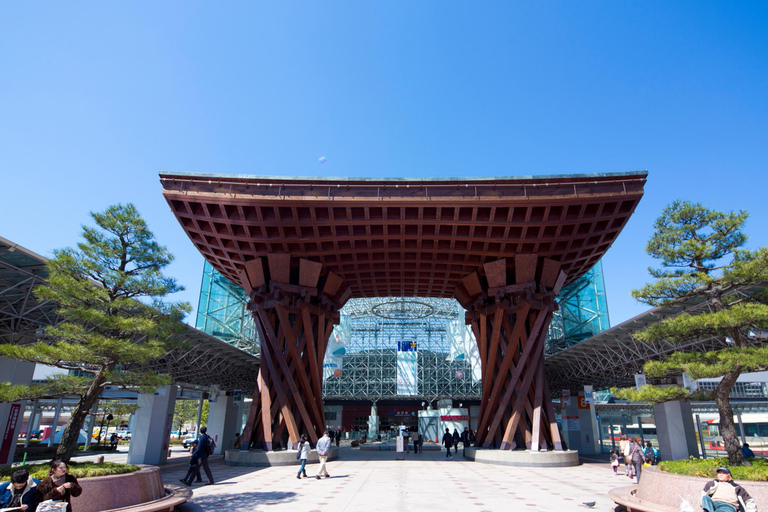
[(625, 446), (303, 454)]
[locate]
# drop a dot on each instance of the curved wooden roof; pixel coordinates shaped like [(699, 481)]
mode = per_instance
[(403, 237)]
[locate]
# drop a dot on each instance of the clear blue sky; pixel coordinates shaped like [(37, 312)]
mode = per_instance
[(97, 98)]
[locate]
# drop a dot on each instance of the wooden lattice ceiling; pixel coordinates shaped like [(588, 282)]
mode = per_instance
[(403, 237)]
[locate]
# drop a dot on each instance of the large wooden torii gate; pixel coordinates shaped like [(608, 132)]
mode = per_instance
[(503, 247)]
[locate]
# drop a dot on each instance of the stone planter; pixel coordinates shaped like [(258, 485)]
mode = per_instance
[(141, 490), (659, 491)]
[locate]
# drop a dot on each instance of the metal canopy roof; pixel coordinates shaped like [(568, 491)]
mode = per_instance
[(205, 360), (403, 237), (21, 314), (613, 357)]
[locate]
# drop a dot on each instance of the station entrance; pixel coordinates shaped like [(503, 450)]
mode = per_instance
[(502, 247)]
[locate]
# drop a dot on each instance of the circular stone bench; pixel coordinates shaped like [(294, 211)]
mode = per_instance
[(659, 491), (525, 458), (140, 491), (273, 458)]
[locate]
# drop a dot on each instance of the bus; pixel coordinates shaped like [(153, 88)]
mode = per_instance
[(755, 432)]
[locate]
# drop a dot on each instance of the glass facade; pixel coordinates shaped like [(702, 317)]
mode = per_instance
[(583, 312), (221, 312), (415, 348)]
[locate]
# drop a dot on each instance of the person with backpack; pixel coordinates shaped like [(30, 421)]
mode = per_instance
[(649, 453), (205, 447)]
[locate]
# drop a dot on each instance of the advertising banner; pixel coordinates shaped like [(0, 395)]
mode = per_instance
[(407, 368)]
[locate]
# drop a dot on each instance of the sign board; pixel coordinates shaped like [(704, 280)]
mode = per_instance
[(571, 423), (583, 404), (9, 431), (566, 400), (454, 417)]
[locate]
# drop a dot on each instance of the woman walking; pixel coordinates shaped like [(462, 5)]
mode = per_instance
[(624, 447), (303, 454), (637, 456)]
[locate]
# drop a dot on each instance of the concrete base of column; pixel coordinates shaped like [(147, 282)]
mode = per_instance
[(526, 458)]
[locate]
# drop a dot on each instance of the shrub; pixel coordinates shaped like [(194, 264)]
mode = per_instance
[(76, 469), (758, 471)]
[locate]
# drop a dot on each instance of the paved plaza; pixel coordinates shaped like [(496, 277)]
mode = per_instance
[(375, 481)]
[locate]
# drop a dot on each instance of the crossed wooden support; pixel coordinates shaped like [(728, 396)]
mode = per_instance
[(295, 308), (509, 306)]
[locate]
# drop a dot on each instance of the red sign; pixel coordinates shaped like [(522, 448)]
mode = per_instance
[(10, 429), (454, 418)]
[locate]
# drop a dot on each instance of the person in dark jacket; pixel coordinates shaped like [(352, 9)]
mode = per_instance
[(448, 442), (59, 485), (456, 439), (202, 452), (19, 492), (194, 467), (723, 492), (747, 451)]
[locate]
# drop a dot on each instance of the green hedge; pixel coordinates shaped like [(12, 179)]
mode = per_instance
[(76, 469), (758, 471)]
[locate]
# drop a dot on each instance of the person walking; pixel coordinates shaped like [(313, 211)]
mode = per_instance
[(464, 441), (205, 446), (456, 438), (303, 455), (448, 442), (416, 437), (624, 446), (615, 462), (194, 467), (59, 485), (637, 456), (323, 447)]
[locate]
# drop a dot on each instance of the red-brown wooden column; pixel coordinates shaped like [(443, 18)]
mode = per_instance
[(509, 306), (295, 308)]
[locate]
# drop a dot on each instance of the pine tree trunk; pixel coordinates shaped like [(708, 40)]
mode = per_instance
[(727, 427), (71, 432)]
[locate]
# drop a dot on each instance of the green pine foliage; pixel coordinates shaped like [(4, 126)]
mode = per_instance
[(110, 291), (701, 257)]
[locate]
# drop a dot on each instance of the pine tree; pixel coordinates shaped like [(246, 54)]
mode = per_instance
[(701, 257), (110, 292)]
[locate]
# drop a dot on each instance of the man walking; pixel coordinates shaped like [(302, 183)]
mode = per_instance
[(323, 447), (448, 442), (204, 449)]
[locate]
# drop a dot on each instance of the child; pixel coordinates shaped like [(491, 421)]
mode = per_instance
[(615, 462)]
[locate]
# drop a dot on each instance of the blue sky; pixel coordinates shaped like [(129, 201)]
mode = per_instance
[(97, 98)]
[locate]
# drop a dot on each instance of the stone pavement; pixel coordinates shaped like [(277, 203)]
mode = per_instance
[(375, 481)]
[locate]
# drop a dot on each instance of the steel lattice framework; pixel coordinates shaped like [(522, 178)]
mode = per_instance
[(614, 357), (21, 314), (445, 349)]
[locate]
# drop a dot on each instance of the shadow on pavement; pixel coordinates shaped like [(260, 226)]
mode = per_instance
[(242, 501)]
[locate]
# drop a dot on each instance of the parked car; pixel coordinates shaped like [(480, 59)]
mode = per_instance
[(124, 436), (187, 440)]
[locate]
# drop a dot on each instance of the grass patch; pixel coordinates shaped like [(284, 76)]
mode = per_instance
[(757, 472), (76, 469)]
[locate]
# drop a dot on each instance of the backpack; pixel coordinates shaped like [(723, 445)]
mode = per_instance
[(211, 445)]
